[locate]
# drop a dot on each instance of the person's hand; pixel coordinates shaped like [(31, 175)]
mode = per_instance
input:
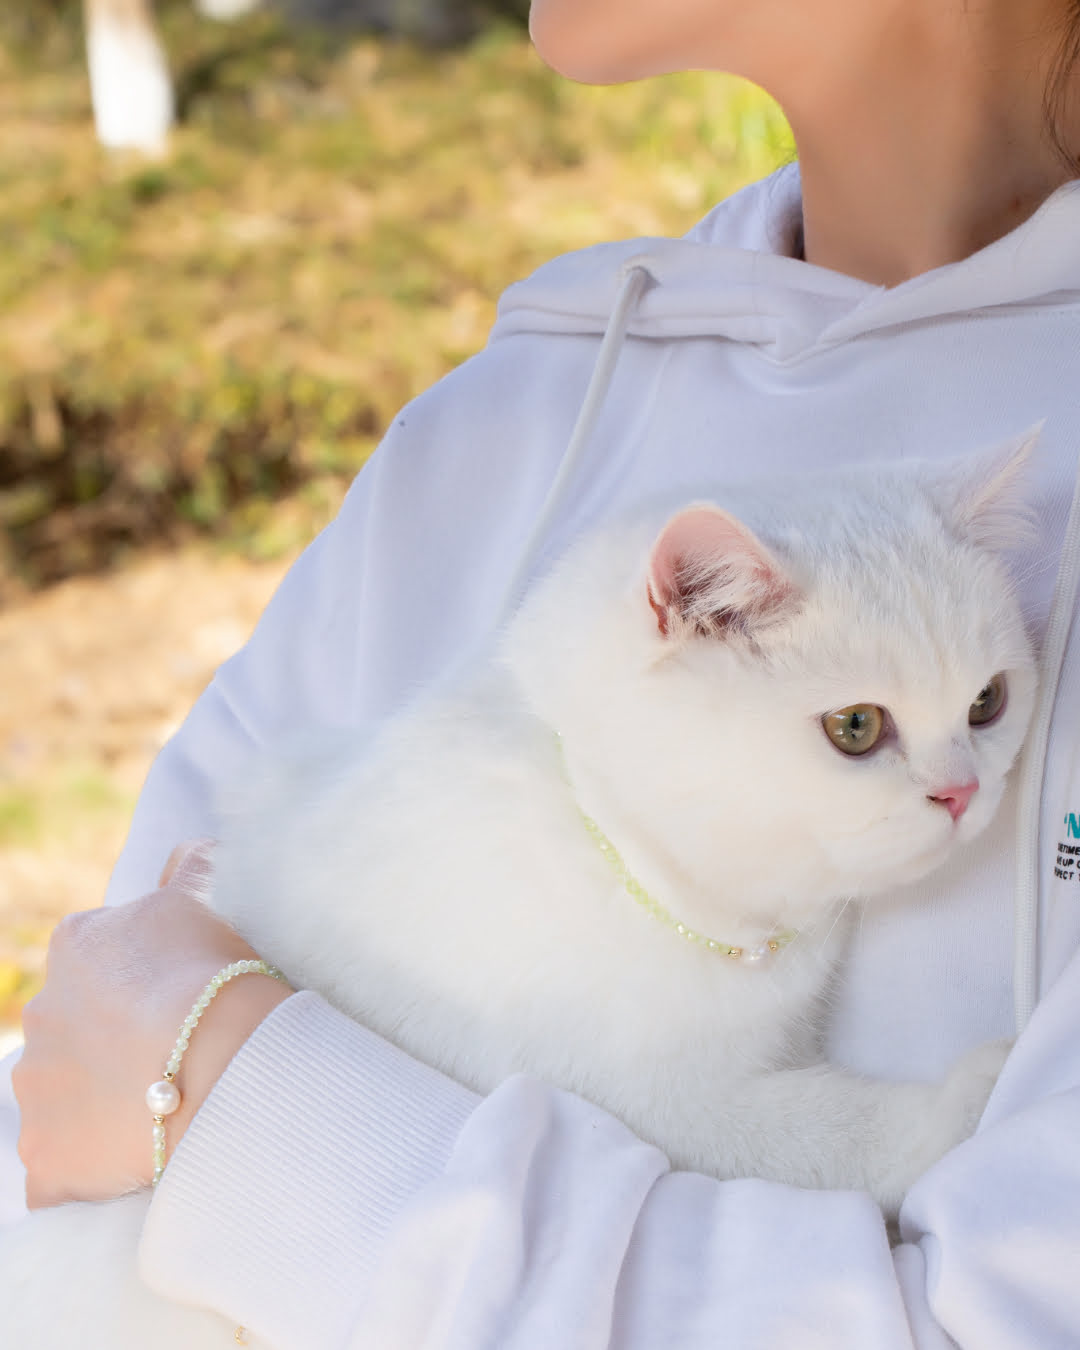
[(119, 983)]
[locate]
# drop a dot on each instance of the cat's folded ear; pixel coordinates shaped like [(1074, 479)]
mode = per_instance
[(985, 497), (709, 575)]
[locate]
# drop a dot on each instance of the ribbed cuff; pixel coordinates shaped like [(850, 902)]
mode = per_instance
[(275, 1204)]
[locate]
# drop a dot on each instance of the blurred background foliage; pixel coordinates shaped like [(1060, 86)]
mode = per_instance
[(184, 342)]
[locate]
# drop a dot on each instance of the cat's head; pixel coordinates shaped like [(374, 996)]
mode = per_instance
[(821, 703)]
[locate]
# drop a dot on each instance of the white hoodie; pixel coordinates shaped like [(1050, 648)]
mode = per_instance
[(332, 1193)]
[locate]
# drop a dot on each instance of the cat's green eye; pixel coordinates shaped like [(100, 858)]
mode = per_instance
[(987, 707), (857, 729)]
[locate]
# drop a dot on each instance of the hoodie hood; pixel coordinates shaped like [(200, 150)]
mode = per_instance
[(752, 291)]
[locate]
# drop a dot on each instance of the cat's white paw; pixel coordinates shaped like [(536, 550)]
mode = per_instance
[(968, 1087), (945, 1117)]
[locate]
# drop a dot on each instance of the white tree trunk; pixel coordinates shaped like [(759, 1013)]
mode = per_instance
[(226, 9), (130, 83)]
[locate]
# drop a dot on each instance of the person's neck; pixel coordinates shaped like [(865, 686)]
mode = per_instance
[(930, 152)]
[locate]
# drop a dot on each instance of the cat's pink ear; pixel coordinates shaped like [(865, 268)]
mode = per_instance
[(710, 575), (986, 493)]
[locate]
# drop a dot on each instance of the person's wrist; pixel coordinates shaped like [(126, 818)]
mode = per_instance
[(226, 1024)]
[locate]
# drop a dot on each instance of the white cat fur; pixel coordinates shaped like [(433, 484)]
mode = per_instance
[(438, 882)]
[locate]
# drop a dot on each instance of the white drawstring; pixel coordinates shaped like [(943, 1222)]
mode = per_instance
[(635, 282), (1026, 932)]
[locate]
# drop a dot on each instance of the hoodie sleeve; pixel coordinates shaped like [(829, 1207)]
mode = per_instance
[(372, 1202)]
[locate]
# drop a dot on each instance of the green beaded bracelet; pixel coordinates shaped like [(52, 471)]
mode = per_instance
[(163, 1097)]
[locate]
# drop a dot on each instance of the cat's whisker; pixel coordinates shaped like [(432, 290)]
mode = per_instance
[(843, 908)]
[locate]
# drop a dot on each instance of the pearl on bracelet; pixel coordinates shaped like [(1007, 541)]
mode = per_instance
[(162, 1097)]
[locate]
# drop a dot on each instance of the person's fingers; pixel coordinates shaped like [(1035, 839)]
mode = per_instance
[(190, 868), (171, 863)]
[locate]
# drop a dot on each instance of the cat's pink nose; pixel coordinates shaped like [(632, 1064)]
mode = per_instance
[(956, 796)]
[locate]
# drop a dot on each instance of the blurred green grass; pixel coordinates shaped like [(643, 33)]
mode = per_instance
[(31, 811), (64, 811), (183, 342)]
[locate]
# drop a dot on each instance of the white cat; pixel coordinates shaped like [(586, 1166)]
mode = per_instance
[(566, 864)]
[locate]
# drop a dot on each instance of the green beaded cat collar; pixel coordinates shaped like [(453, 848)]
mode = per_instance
[(750, 956)]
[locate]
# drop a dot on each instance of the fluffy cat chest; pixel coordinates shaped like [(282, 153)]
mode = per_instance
[(459, 903), (518, 970)]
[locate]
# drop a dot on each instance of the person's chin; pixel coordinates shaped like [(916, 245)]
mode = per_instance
[(571, 45)]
